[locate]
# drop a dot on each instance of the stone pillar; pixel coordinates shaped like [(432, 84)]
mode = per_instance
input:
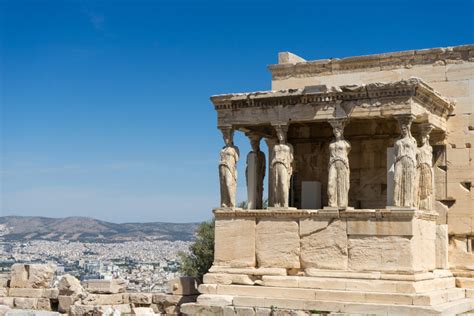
[(229, 156), (390, 173), (405, 170), (425, 172), (255, 173), (271, 181), (338, 168), (282, 168)]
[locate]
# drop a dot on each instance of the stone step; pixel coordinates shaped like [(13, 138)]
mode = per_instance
[(450, 308), (357, 285), (467, 283), (260, 306), (426, 299)]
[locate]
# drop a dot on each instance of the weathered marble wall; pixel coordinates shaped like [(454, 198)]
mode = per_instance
[(298, 241)]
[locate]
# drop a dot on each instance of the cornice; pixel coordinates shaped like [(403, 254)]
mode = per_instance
[(357, 214), (386, 61)]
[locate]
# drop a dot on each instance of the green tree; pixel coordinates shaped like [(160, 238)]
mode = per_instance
[(199, 260)]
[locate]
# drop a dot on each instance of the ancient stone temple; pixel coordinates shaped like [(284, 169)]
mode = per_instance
[(367, 169)]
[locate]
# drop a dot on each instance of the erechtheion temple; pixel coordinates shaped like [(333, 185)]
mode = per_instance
[(367, 166)]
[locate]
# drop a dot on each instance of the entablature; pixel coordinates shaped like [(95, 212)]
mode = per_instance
[(322, 103)]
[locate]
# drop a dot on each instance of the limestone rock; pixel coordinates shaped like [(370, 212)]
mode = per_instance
[(69, 285), (111, 309), (172, 299), (25, 303), (80, 310), (64, 303), (28, 292), (143, 311), (14, 312), (103, 299), (202, 310), (19, 276), (215, 300), (323, 244), (7, 301), (140, 298), (244, 311), (4, 280), (278, 243), (44, 304), (184, 286), (32, 275), (105, 286), (172, 310)]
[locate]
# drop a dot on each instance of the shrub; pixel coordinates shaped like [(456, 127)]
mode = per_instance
[(199, 260)]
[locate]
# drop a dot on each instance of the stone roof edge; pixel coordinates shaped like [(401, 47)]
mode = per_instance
[(418, 89), (384, 61)]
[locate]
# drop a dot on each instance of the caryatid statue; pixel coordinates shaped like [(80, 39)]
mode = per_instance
[(229, 156), (255, 174), (405, 165), (282, 168), (425, 170), (339, 172)]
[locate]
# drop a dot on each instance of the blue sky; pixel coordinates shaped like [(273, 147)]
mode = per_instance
[(105, 107)]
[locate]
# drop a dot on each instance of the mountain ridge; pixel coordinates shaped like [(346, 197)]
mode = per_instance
[(88, 229)]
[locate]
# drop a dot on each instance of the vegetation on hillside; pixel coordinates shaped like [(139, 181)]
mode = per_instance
[(199, 260)]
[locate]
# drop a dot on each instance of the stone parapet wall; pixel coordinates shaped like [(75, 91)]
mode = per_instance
[(294, 241), (32, 290)]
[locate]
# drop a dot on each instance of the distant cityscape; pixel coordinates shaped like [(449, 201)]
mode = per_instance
[(145, 265)]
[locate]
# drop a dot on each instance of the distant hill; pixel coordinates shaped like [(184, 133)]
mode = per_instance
[(88, 229)]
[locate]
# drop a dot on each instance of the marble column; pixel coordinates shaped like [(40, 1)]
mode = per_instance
[(229, 156), (425, 173), (271, 181), (255, 174), (405, 149), (338, 168), (282, 168)]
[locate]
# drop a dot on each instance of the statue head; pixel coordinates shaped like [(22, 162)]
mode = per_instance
[(426, 129), (337, 128), (405, 130), (281, 134), (405, 125), (255, 143), (228, 136), (338, 133), (425, 139)]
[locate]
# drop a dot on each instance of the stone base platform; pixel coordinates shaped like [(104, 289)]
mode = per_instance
[(432, 293), (464, 279)]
